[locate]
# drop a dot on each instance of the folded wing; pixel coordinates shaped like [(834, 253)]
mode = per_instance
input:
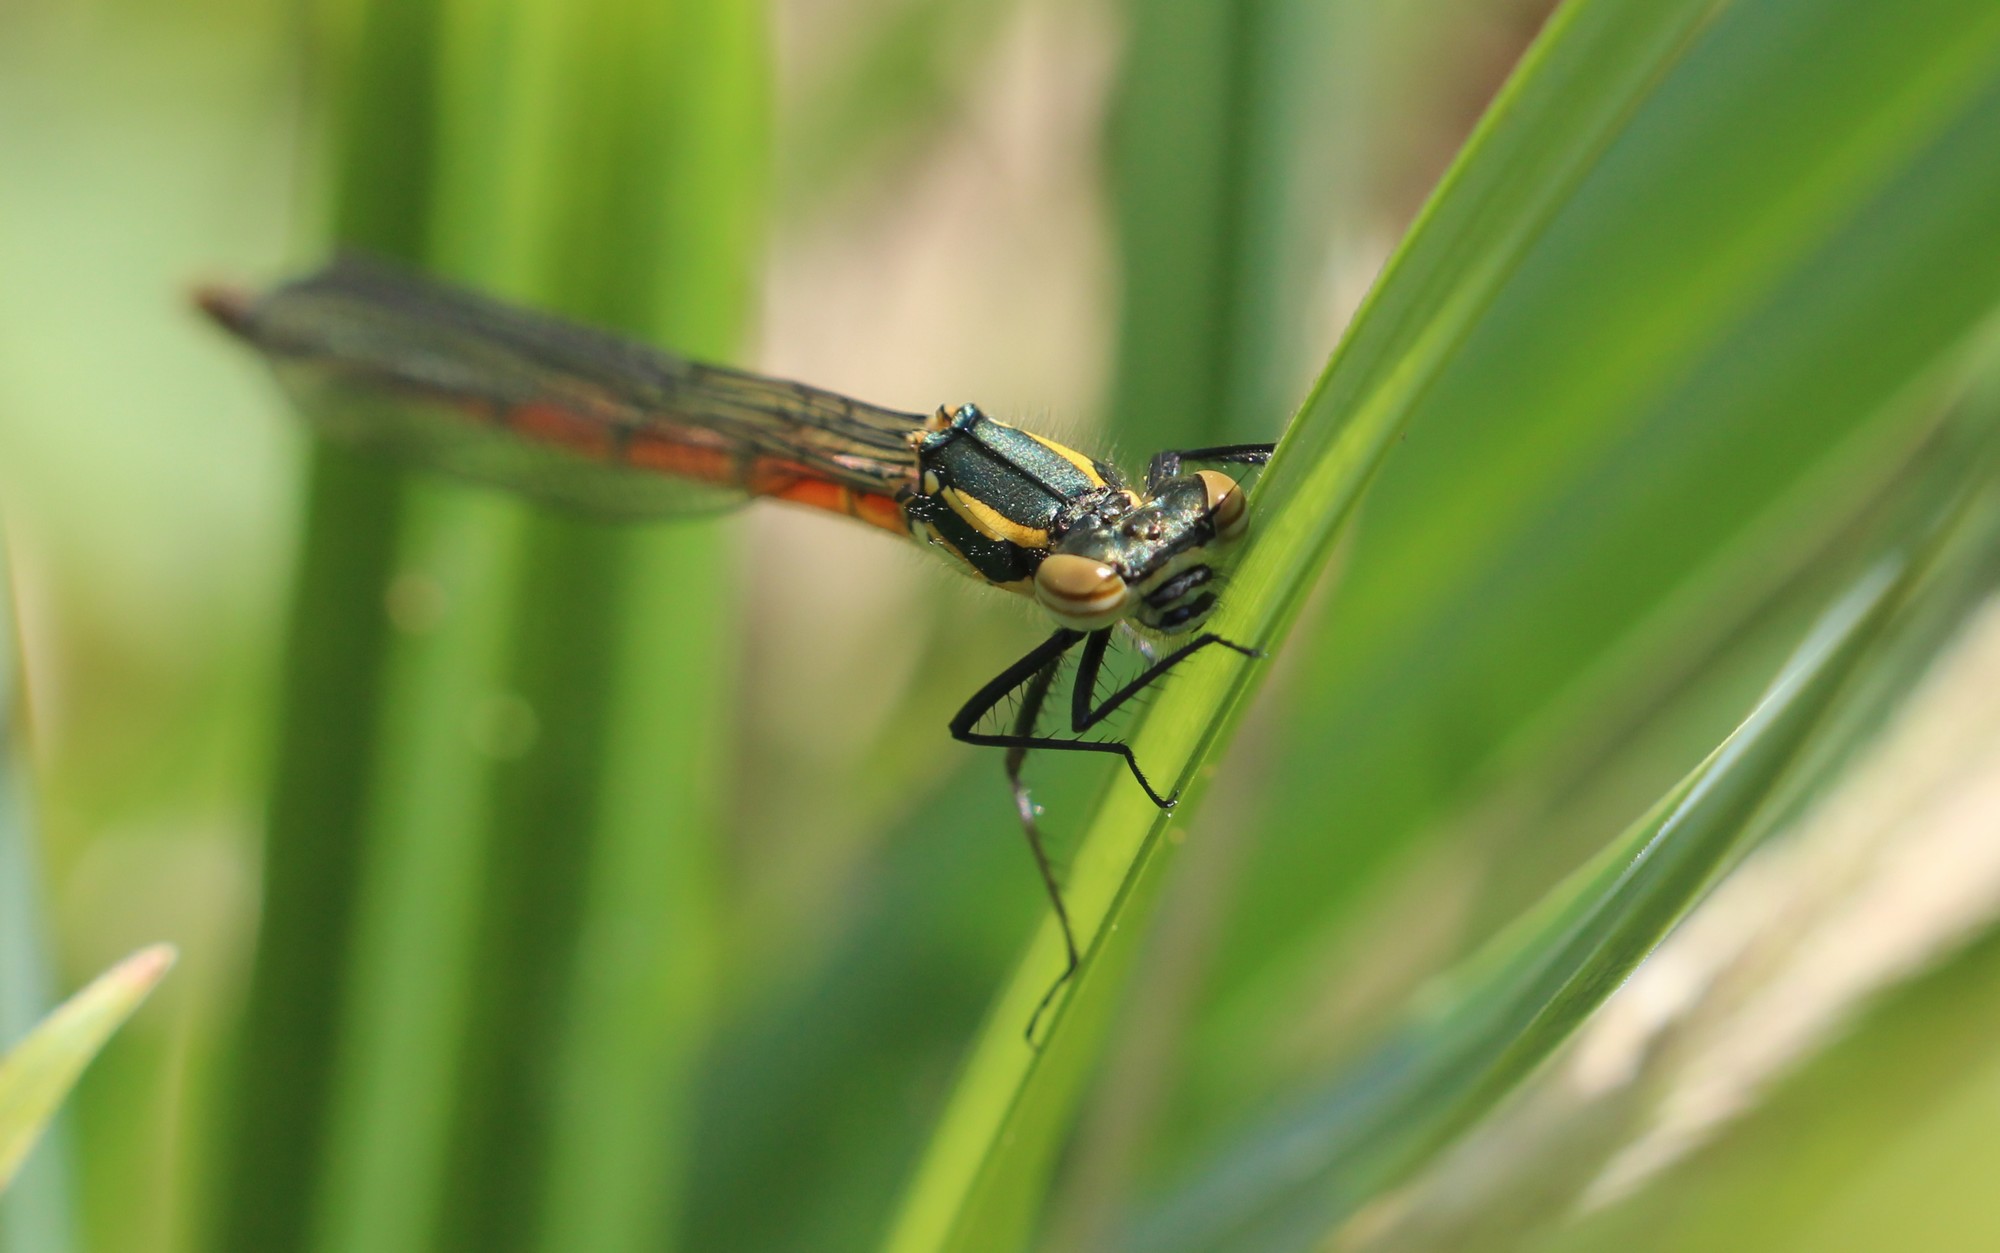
[(442, 377)]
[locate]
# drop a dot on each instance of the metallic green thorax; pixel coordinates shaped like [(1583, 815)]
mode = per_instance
[(999, 498)]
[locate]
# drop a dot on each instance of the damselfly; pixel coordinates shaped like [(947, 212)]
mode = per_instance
[(572, 415)]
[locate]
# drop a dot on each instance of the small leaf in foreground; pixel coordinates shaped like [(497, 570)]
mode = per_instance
[(38, 1073)]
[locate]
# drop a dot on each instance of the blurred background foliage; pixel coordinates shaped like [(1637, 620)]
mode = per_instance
[(543, 886)]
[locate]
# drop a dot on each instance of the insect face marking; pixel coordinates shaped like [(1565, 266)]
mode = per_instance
[(1158, 552)]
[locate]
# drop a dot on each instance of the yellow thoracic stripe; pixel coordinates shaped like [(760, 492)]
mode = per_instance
[(1072, 456), (991, 523)]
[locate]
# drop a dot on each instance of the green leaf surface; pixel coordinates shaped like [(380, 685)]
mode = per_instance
[(1678, 403), (1634, 368), (1852, 778), (988, 1164), (1511, 1008), (39, 1071)]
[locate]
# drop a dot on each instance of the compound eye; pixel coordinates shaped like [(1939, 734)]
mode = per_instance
[(1080, 592), (1226, 509)]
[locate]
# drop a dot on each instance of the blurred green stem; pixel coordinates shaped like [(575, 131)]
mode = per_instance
[(483, 971), (1222, 146)]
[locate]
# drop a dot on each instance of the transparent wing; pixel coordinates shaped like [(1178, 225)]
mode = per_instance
[(440, 376)]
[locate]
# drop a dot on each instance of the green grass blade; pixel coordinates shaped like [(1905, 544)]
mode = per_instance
[(1517, 1004), (1658, 427), (39, 1071), (446, 718), (630, 195), (487, 942), (276, 1115), (1233, 150), (1914, 688), (1884, 1136), (1177, 139), (986, 1167), (392, 1100), (1594, 72)]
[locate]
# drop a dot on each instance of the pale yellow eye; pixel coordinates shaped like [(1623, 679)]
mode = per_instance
[(1225, 504), (1080, 592)]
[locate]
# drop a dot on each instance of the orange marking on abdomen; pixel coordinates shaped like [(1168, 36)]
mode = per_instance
[(764, 476), (870, 507), (878, 510)]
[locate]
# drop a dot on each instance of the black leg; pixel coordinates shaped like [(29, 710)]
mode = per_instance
[(1085, 714), (1032, 676), (1004, 684), (1033, 694), (987, 698), (1166, 465)]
